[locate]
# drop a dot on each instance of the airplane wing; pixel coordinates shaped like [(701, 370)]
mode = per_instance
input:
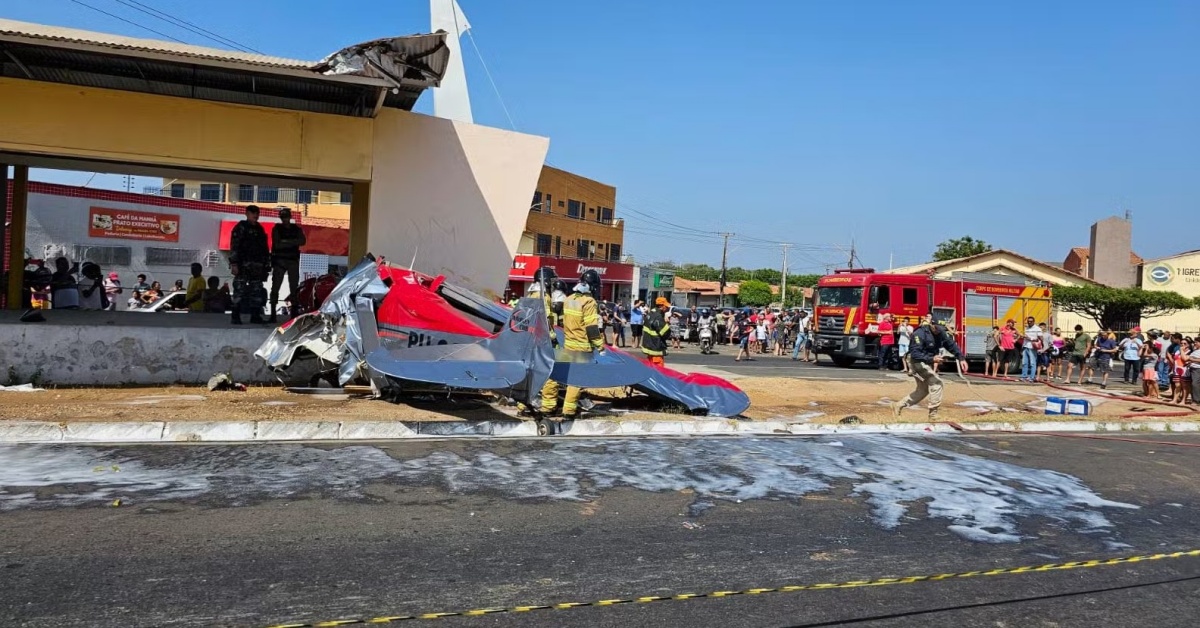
[(518, 359)]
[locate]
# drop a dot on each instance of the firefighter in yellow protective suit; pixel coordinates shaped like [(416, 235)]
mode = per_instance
[(582, 337)]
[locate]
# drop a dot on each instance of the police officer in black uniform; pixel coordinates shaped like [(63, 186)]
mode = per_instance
[(250, 262)]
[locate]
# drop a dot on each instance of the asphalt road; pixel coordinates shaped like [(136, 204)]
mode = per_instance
[(209, 535)]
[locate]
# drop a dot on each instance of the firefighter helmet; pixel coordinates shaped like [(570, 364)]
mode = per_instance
[(592, 279), (544, 275)]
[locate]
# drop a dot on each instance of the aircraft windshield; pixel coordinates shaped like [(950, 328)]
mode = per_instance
[(841, 297)]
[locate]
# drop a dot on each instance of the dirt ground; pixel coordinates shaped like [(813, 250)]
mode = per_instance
[(771, 398), (835, 400)]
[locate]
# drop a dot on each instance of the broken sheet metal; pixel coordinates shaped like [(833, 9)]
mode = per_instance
[(309, 331), (518, 359), (699, 393), (411, 328), (411, 61)]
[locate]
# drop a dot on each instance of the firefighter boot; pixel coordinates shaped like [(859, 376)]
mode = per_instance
[(933, 414)]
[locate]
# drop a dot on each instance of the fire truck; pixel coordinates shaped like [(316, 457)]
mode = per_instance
[(850, 302)]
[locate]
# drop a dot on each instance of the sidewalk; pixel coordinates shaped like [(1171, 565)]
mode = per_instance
[(780, 406)]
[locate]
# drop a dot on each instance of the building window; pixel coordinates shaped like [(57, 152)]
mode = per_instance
[(557, 246), (614, 252), (536, 205), (105, 256), (245, 193), (304, 196), (171, 257), (583, 249), (177, 190), (605, 216), (211, 192), (574, 208), (268, 194), (543, 244), (344, 197), (560, 203)]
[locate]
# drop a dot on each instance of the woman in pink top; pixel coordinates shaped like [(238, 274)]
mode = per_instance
[(1008, 347)]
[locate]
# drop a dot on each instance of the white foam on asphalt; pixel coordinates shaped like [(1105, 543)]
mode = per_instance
[(978, 498)]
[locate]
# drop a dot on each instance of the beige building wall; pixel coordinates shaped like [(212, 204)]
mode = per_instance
[(1178, 274), (453, 195)]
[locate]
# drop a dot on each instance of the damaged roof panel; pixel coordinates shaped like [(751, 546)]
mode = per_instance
[(348, 82)]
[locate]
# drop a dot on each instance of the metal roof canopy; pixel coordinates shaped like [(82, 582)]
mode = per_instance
[(170, 172), (355, 81)]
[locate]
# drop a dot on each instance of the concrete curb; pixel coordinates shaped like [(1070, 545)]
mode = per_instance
[(277, 431)]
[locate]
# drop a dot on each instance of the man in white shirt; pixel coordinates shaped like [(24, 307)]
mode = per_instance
[(801, 327), (1030, 350)]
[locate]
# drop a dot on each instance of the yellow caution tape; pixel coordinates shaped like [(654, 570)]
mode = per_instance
[(852, 584)]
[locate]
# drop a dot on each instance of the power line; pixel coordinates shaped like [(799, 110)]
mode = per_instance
[(184, 24), (512, 125), (130, 22)]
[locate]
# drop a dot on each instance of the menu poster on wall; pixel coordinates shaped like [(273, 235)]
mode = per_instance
[(126, 224)]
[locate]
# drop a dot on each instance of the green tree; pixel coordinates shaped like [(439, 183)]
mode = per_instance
[(965, 246), (1116, 307), (755, 293), (795, 296)]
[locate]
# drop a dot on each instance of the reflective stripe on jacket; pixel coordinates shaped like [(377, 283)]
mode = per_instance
[(581, 323), (655, 333)]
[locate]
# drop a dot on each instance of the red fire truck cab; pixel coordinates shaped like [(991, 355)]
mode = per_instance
[(850, 302)]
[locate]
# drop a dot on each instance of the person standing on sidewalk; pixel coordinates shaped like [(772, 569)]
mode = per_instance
[(249, 262), (802, 325), (904, 342), (656, 331), (928, 341), (887, 341), (1030, 350), (1080, 347), (286, 240), (637, 316), (1131, 352), (113, 290)]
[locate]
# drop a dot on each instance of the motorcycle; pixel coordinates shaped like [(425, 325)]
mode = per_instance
[(706, 339)]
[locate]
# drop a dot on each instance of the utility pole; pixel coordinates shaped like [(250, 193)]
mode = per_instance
[(724, 259), (783, 279), (851, 264)]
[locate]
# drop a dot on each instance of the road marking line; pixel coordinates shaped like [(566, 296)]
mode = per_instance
[(850, 584)]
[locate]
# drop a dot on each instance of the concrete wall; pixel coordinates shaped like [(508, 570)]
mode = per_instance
[(1109, 253), (69, 120), (453, 194), (112, 349)]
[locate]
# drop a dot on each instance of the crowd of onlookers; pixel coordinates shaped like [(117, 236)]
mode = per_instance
[(755, 331), (1167, 365), (85, 287)]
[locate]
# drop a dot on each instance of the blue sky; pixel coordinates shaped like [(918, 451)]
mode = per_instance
[(897, 124)]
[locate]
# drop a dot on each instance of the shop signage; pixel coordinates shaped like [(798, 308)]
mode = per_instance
[(104, 222), (666, 281), (524, 266), (1162, 274)]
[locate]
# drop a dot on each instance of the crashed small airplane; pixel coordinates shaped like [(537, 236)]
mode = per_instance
[(400, 331)]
